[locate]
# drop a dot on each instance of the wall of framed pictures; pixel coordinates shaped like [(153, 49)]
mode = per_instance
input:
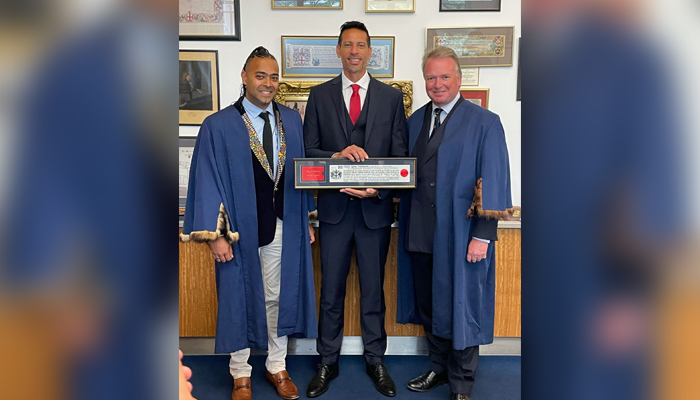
[(409, 31)]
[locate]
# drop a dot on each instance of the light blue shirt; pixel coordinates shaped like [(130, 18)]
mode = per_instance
[(253, 112), (446, 110)]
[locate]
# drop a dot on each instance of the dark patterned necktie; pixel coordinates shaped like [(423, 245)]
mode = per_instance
[(267, 138), (436, 124)]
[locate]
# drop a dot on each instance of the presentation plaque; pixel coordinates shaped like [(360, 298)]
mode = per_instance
[(339, 173)]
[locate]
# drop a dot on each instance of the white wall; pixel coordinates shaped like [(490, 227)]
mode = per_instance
[(263, 26)]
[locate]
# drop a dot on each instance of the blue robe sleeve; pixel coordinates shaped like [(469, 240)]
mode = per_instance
[(205, 213), (492, 190)]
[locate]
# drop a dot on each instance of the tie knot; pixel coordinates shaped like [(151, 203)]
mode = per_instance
[(355, 87), (438, 111), (265, 115)]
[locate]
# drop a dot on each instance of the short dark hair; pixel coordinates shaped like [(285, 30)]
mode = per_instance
[(260, 52), (354, 25)]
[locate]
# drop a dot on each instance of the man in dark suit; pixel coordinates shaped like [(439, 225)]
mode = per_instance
[(448, 224), (356, 117)]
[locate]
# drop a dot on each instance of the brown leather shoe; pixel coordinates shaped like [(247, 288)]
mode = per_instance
[(241, 389), (284, 385)]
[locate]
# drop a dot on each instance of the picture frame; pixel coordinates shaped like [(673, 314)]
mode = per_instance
[(210, 20), (470, 5), (390, 6), (186, 145), (478, 96), (291, 92), (475, 46), (307, 4), (199, 85), (315, 57)]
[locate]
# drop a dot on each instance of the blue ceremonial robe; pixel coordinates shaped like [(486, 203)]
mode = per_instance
[(222, 173), (472, 154)]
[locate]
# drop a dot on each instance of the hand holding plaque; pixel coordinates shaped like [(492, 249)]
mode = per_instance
[(352, 153), (342, 173)]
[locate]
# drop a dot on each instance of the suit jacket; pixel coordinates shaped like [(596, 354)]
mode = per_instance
[(326, 132)]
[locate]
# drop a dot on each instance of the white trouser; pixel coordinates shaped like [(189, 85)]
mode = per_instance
[(271, 264)]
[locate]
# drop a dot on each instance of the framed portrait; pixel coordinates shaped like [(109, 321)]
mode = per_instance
[(199, 85), (308, 4), (475, 47), (315, 56), (478, 96), (470, 5), (210, 20), (390, 6), (186, 152), (296, 93)]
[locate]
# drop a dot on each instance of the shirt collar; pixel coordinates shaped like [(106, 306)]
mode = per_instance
[(253, 110), (363, 82), (448, 107)]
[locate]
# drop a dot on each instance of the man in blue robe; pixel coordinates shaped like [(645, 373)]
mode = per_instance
[(447, 226), (238, 197)]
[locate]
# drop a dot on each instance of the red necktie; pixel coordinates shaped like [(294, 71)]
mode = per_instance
[(355, 103)]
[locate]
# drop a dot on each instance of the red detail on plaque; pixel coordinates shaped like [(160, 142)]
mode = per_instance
[(404, 173), (313, 173)]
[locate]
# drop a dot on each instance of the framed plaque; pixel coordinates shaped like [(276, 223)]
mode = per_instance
[(478, 96), (340, 173), (477, 46), (390, 6), (210, 20), (186, 153), (315, 57), (470, 5)]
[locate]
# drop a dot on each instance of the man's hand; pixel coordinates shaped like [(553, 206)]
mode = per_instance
[(363, 194), (476, 251), (352, 153), (312, 236), (221, 249), (185, 385)]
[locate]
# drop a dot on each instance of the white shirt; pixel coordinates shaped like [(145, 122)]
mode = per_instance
[(347, 89), (445, 110), (253, 112)]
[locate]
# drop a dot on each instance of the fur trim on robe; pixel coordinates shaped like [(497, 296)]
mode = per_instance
[(223, 228), (477, 208)]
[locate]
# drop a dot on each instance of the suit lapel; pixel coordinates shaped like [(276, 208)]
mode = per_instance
[(337, 96), (375, 98)]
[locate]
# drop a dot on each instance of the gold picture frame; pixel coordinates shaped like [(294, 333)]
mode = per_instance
[(199, 85), (309, 7), (290, 92), (389, 6)]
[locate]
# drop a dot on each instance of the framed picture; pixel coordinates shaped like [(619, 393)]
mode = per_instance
[(475, 47), (210, 20), (308, 4), (186, 152), (315, 56), (478, 96), (199, 85), (470, 5), (390, 6), (296, 93), (517, 95)]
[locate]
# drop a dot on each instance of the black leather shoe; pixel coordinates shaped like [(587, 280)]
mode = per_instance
[(427, 381), (319, 383), (459, 396), (382, 381)]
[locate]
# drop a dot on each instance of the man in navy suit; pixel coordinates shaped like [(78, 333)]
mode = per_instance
[(354, 116), (448, 224)]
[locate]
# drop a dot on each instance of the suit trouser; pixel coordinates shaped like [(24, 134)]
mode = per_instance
[(460, 364), (271, 265), (371, 248)]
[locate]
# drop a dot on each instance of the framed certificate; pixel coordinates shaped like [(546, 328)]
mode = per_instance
[(390, 6), (340, 173), (470, 5), (210, 20), (478, 96), (475, 47), (186, 152), (315, 56), (307, 4)]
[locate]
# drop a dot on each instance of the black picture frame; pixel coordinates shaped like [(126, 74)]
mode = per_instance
[(200, 25), (465, 5)]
